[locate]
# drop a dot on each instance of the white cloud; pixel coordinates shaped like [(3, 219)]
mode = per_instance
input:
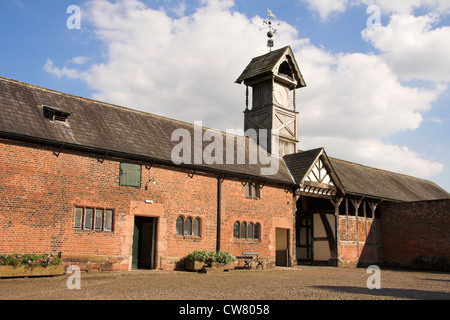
[(184, 68), (187, 65), (179, 9), (61, 72), (326, 8), (373, 152), (408, 6), (353, 102), (413, 48), (79, 60), (357, 95)]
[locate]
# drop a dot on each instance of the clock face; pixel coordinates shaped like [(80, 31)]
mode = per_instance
[(281, 95)]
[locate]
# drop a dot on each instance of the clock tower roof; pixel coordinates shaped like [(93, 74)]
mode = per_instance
[(280, 63)]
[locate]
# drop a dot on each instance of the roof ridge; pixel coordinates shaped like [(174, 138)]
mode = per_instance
[(273, 52)]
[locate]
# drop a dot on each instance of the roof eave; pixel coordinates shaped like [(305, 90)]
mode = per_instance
[(119, 154)]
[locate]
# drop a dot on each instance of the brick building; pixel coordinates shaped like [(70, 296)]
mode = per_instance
[(98, 182)]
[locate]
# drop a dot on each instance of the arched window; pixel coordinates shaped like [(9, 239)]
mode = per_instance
[(196, 227), (236, 230), (257, 233), (250, 231), (243, 233), (188, 227), (179, 228)]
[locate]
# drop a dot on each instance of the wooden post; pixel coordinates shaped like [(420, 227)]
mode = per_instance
[(356, 204), (295, 107), (373, 206), (336, 202), (246, 98)]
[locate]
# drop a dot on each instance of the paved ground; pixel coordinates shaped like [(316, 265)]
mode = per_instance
[(299, 283)]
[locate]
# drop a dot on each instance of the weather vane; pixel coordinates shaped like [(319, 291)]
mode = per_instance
[(269, 24)]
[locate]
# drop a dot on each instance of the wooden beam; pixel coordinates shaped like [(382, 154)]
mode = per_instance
[(314, 195), (320, 185), (373, 206), (356, 203)]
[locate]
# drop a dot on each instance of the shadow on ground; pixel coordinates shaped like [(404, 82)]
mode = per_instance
[(389, 292)]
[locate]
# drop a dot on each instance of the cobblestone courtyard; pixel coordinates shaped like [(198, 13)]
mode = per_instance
[(299, 283)]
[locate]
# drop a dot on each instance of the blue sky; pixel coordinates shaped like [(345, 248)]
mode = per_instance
[(377, 96)]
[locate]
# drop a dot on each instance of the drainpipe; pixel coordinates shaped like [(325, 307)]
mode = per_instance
[(219, 211)]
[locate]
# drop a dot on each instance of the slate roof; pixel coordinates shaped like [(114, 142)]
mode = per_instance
[(360, 180), (300, 163), (101, 127), (266, 63)]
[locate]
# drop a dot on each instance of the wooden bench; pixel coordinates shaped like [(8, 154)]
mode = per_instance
[(249, 258)]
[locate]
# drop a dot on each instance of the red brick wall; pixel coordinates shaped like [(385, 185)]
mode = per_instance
[(274, 210), (39, 191), (415, 229), (359, 244)]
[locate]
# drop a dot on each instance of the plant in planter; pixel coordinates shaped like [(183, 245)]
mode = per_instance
[(196, 260), (223, 261), (18, 265), (223, 257)]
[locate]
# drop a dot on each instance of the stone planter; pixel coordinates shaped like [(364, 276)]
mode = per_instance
[(25, 271), (218, 267), (224, 267), (194, 265)]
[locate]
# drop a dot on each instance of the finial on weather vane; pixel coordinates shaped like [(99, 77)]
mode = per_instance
[(269, 25)]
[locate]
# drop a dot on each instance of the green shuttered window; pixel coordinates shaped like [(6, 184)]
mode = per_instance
[(130, 175)]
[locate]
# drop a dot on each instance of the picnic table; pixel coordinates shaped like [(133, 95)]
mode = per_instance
[(249, 258)]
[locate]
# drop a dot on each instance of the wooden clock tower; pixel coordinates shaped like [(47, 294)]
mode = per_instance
[(274, 77)]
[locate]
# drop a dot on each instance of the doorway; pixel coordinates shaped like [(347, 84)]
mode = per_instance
[(304, 240), (282, 247), (144, 243)]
